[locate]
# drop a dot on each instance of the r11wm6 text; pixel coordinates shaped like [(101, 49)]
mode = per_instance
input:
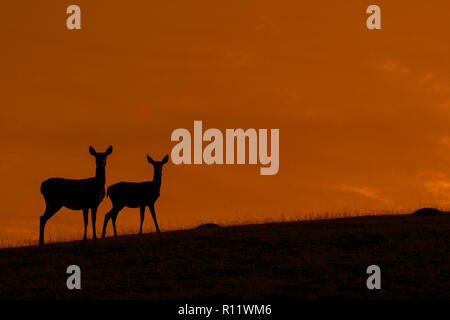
[(225, 309)]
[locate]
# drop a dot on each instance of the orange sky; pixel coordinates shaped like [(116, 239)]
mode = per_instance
[(363, 115)]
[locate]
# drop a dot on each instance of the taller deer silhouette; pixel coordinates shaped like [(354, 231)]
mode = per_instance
[(135, 195), (81, 194)]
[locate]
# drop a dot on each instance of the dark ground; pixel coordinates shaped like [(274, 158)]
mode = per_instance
[(291, 260)]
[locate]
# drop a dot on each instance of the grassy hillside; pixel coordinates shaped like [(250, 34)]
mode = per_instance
[(292, 260)]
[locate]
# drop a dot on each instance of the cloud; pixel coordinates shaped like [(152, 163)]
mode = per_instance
[(427, 80), (363, 191), (393, 66), (438, 184)]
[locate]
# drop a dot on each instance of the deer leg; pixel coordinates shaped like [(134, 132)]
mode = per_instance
[(142, 209), (105, 223), (85, 217), (49, 212), (152, 210), (94, 217), (114, 217)]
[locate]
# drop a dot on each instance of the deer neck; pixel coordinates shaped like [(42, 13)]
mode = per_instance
[(100, 176), (157, 180)]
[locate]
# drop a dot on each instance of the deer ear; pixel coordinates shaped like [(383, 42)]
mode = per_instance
[(149, 159), (166, 158), (92, 151), (109, 150)]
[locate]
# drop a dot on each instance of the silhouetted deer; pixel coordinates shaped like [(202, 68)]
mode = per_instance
[(135, 195), (82, 194)]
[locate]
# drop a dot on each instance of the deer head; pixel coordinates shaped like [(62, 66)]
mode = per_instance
[(157, 165), (100, 157)]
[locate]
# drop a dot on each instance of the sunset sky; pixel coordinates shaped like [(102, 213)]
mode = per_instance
[(363, 115)]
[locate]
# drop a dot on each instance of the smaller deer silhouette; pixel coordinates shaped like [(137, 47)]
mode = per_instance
[(136, 195), (82, 194)]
